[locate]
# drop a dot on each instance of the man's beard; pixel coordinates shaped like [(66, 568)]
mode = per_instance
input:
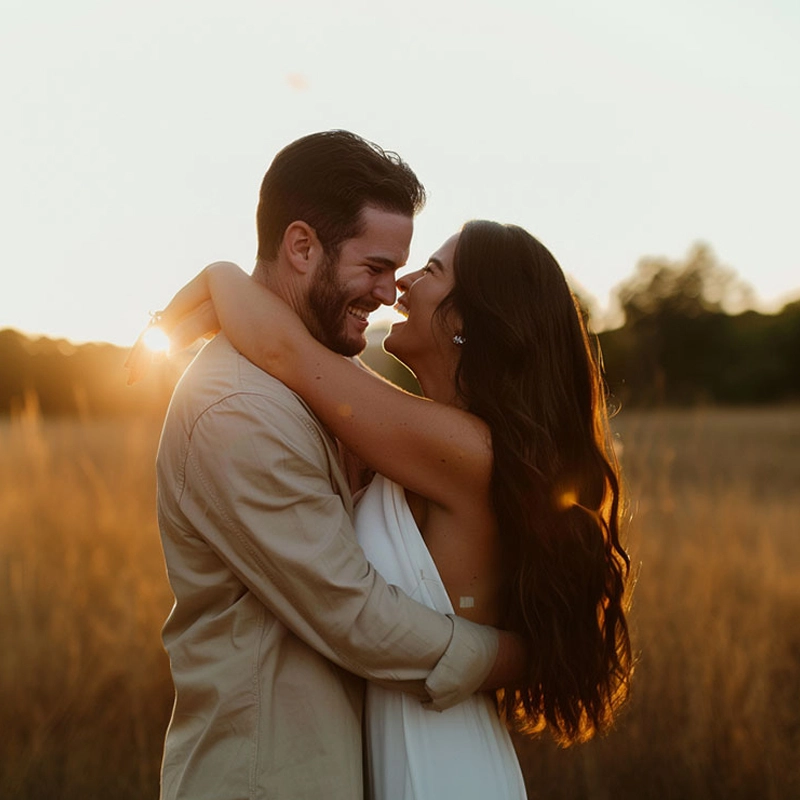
[(328, 302)]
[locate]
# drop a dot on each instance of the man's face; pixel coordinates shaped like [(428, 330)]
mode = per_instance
[(343, 293)]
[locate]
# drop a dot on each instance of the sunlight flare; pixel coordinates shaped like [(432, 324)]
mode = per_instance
[(156, 340)]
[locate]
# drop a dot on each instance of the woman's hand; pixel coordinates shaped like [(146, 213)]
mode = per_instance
[(189, 316)]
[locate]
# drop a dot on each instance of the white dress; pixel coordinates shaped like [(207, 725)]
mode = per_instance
[(414, 753)]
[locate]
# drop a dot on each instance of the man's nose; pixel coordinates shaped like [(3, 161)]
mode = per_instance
[(384, 289)]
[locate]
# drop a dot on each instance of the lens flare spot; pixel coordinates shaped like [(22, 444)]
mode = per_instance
[(567, 499), (156, 340)]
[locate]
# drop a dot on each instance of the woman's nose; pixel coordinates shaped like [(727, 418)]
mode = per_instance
[(404, 281)]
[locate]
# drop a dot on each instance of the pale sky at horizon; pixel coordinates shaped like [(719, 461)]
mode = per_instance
[(136, 135)]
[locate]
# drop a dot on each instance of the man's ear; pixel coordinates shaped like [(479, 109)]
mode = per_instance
[(301, 247)]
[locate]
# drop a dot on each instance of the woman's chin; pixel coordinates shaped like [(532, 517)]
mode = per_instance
[(388, 345), (390, 342)]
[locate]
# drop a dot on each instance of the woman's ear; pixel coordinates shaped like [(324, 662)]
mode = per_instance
[(452, 326), (301, 247)]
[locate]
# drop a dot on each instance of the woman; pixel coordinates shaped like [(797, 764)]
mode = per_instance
[(497, 494)]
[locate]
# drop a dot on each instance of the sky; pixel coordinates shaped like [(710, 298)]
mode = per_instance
[(135, 135)]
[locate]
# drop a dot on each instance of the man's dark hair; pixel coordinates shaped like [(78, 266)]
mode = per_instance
[(325, 179)]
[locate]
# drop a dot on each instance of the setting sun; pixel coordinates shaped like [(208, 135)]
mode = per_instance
[(156, 340)]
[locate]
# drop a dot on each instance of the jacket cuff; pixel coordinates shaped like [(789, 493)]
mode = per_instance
[(465, 664)]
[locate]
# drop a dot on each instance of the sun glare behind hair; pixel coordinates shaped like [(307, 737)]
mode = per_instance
[(156, 340)]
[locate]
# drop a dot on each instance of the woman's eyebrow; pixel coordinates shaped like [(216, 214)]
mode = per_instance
[(437, 263)]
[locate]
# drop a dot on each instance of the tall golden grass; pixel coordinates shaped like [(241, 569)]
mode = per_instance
[(715, 539), (85, 684)]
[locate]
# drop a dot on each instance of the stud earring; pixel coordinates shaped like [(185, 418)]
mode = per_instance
[(458, 339)]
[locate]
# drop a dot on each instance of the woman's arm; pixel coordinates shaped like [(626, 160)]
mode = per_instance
[(437, 451)]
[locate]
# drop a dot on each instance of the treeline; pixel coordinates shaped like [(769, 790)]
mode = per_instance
[(55, 377), (681, 343)]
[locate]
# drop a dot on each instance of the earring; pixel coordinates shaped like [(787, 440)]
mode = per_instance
[(458, 339)]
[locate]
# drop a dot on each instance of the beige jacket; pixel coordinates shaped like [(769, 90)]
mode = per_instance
[(276, 609)]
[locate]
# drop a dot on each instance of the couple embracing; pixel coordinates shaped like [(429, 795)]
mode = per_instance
[(478, 583)]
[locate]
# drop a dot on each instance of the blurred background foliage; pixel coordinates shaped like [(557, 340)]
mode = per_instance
[(690, 336), (686, 335)]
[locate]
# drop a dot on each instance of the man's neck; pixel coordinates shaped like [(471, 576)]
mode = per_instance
[(282, 282), (264, 272), (277, 280)]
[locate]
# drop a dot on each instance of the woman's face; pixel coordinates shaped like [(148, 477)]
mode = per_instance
[(423, 332)]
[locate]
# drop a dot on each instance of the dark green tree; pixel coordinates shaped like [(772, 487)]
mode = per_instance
[(676, 344)]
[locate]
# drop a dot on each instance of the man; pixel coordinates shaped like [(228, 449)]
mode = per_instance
[(277, 612)]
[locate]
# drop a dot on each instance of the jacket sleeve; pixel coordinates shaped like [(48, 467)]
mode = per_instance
[(258, 489)]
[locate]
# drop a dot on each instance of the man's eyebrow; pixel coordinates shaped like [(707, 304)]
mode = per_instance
[(386, 263)]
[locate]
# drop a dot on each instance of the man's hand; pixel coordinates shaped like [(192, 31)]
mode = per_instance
[(509, 666)]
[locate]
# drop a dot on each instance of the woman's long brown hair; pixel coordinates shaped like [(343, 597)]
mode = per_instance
[(527, 369)]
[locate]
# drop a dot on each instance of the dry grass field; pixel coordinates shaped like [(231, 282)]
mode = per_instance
[(715, 537)]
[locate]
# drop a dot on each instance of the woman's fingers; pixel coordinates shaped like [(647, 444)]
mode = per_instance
[(189, 316), (138, 361)]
